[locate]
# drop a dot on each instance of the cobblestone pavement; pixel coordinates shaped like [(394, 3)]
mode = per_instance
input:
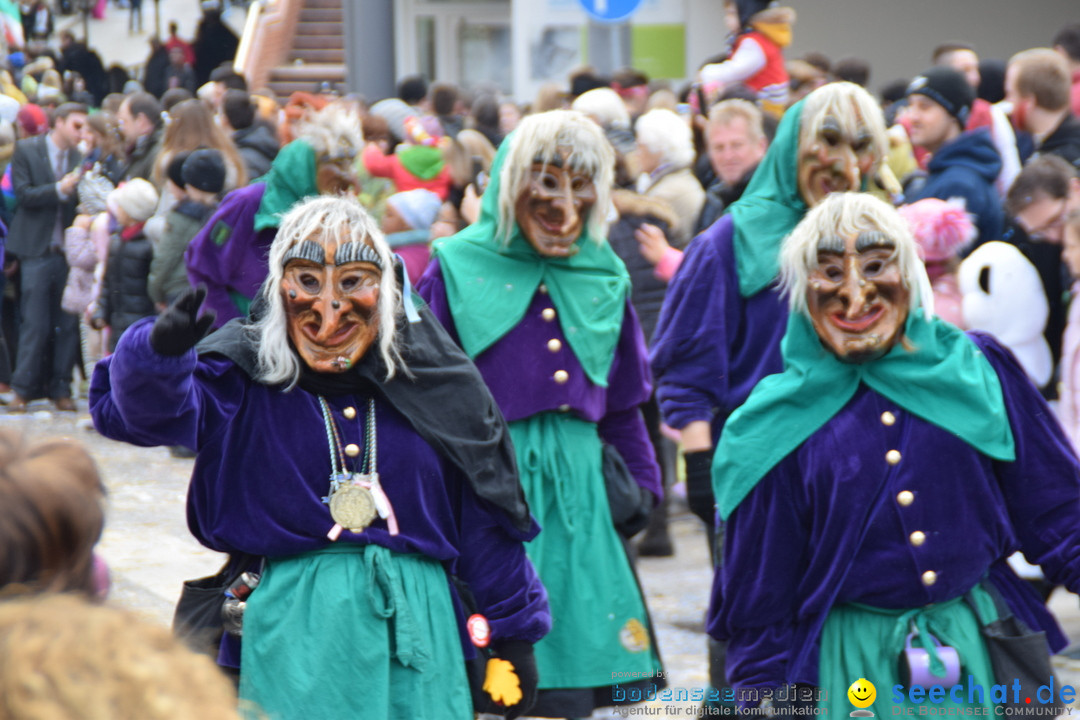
[(150, 553)]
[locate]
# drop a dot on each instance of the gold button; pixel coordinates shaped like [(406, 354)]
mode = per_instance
[(352, 450), (543, 289), (561, 376), (892, 457), (887, 418), (917, 538), (548, 314), (554, 345), (905, 497), (929, 578), (349, 412)]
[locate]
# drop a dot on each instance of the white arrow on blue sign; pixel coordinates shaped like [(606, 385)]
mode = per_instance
[(610, 10)]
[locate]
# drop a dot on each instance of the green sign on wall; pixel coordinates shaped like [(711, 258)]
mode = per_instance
[(659, 51)]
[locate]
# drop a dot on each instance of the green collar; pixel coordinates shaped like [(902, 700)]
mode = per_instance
[(945, 380), (490, 285)]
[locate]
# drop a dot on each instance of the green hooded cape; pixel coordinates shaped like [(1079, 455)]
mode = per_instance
[(290, 180), (490, 285), (945, 379), (770, 208)]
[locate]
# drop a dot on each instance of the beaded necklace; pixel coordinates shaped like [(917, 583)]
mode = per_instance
[(355, 497)]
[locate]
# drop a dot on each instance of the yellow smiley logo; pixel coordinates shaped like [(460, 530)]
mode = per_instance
[(862, 693)]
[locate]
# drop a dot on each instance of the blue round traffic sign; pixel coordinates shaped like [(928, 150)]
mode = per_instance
[(610, 10)]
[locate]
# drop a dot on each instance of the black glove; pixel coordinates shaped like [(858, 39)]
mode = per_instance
[(520, 656), (699, 493), (179, 328)]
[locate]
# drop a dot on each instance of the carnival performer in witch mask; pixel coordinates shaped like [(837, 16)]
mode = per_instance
[(345, 441), (723, 316), (229, 255), (873, 490), (541, 303)]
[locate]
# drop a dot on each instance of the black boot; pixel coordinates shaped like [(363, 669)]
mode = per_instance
[(656, 542)]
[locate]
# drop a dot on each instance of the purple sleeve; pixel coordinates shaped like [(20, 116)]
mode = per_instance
[(765, 558), (227, 254), (689, 351), (1042, 486), (628, 388), (712, 346), (502, 579), (432, 288), (143, 398)]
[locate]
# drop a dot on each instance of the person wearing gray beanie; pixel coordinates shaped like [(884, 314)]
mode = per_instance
[(962, 164)]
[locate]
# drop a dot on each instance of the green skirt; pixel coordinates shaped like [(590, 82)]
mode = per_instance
[(354, 631), (859, 641), (599, 627)]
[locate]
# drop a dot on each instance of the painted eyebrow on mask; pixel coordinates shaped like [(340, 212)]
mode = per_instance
[(556, 160), (306, 250), (356, 252), (873, 239), (831, 244)]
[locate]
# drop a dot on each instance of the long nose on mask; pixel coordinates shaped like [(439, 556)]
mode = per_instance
[(846, 165), (331, 311), (562, 200), (855, 291)]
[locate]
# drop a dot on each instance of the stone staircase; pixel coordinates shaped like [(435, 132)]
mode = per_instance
[(318, 50), (296, 45)]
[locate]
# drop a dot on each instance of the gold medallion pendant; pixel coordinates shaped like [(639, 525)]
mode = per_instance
[(353, 507)]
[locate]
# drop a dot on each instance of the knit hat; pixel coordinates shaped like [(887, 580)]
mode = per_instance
[(942, 228), (416, 207), (173, 169), (205, 170), (32, 120), (137, 198), (947, 88)]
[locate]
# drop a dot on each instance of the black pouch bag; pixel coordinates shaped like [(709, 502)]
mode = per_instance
[(1018, 653), (630, 503), (197, 619)]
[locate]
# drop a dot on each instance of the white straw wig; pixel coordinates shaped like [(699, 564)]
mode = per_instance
[(835, 100), (843, 215), (329, 221), (537, 139), (334, 132)]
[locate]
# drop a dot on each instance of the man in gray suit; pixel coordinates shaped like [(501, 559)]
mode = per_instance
[(44, 172)]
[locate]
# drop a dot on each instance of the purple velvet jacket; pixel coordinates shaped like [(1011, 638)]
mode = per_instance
[(711, 345), (228, 256), (833, 523), (519, 370), (263, 467)]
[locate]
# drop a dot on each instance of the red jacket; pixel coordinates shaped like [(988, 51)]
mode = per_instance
[(389, 166)]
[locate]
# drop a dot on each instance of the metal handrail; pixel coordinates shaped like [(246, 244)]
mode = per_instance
[(247, 39)]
